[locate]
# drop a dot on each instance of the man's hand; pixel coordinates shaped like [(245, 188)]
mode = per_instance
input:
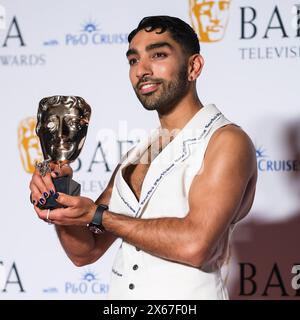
[(81, 245), (42, 187), (79, 211)]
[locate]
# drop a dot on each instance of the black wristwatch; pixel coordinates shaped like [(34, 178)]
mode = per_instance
[(96, 225)]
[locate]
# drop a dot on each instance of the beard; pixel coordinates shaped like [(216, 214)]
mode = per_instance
[(168, 95)]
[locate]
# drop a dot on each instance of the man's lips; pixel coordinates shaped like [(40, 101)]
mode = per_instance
[(148, 87)]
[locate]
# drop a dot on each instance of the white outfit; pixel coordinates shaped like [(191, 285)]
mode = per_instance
[(139, 275)]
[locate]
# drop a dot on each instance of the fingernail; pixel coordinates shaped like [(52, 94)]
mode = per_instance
[(52, 192), (56, 195), (56, 173), (46, 195), (42, 201), (33, 202)]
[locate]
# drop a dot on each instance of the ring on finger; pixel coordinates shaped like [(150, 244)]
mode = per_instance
[(48, 217)]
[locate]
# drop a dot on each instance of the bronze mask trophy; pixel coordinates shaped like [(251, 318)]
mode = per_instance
[(62, 123)]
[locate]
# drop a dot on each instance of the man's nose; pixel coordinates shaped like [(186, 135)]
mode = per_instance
[(143, 69)]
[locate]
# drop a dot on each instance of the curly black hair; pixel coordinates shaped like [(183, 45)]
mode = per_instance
[(180, 31)]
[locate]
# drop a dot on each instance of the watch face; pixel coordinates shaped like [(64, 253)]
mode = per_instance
[(95, 229)]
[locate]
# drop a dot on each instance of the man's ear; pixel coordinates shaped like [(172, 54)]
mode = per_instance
[(196, 63)]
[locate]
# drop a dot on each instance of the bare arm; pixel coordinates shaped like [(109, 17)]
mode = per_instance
[(215, 197), (82, 246)]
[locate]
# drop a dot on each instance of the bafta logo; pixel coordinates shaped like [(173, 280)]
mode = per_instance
[(29, 145), (209, 19)]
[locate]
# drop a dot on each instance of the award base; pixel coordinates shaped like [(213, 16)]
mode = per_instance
[(65, 185)]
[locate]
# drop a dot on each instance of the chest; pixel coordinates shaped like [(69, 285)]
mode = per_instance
[(134, 176)]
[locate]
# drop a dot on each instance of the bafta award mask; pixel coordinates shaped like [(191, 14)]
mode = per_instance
[(209, 18), (62, 123)]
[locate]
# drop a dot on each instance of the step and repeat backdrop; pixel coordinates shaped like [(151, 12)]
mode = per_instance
[(252, 63)]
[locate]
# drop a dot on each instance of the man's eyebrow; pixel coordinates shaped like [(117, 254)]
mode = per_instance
[(130, 52), (150, 47), (159, 45)]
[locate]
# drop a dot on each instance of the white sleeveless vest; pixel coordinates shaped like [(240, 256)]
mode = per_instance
[(139, 275)]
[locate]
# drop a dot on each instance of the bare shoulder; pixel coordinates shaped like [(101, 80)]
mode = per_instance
[(232, 134), (233, 138), (232, 145), (229, 170)]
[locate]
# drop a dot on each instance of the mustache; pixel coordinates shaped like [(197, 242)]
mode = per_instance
[(148, 79)]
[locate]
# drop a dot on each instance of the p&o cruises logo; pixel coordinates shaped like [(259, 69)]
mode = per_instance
[(266, 164), (89, 284), (90, 34)]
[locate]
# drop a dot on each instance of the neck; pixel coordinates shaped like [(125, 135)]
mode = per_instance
[(181, 113)]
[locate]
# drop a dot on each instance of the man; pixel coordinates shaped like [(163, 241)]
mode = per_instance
[(174, 213)]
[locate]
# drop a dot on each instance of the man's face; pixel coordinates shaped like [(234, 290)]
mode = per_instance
[(158, 70), (210, 18), (62, 132)]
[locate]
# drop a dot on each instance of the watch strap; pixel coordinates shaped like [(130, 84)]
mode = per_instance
[(97, 219)]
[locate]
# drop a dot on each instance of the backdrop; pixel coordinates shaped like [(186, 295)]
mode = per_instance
[(252, 58)]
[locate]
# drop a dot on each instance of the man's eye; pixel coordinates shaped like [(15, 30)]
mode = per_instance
[(132, 61), (159, 55)]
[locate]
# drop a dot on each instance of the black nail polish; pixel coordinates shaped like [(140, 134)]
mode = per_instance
[(33, 202), (56, 173), (52, 192), (56, 195), (42, 201), (45, 194)]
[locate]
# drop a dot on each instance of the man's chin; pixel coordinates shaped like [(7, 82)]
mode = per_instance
[(149, 107)]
